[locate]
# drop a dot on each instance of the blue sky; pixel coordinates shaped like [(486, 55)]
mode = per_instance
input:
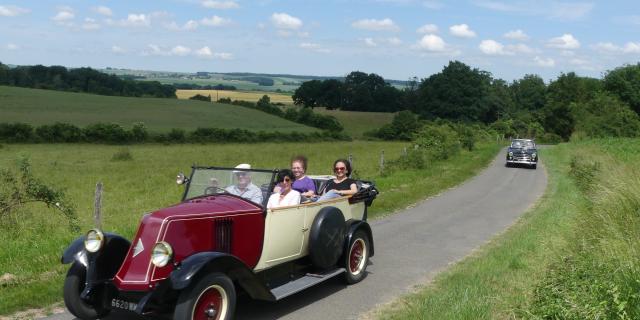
[(396, 39)]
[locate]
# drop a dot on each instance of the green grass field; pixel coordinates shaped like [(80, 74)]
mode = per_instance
[(34, 237), (357, 123), (573, 256), (38, 107)]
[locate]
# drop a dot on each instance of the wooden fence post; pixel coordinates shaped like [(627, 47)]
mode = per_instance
[(97, 206), (382, 161)]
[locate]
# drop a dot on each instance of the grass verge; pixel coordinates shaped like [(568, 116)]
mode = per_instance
[(34, 237), (528, 272)]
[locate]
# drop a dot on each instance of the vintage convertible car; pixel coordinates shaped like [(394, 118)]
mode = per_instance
[(193, 258), (522, 151)]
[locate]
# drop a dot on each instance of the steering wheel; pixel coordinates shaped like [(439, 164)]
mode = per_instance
[(213, 190)]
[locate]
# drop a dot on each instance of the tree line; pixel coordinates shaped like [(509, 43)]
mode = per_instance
[(81, 80), (528, 106)]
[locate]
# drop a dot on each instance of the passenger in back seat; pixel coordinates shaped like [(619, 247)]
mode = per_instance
[(285, 196), (301, 183), (342, 185)]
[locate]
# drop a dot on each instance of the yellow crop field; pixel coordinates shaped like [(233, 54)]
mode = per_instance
[(252, 96)]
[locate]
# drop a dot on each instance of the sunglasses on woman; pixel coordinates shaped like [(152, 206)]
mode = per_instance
[(336, 169)]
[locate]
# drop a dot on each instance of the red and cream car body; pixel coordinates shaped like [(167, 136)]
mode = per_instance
[(193, 258)]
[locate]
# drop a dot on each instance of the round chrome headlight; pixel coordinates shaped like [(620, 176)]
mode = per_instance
[(510, 154), (94, 240), (534, 155), (161, 254)]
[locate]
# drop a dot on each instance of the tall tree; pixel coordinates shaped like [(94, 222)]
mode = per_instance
[(529, 92), (625, 83), (456, 93)]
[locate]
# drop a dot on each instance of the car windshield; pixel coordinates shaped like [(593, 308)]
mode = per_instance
[(249, 184), (528, 144)]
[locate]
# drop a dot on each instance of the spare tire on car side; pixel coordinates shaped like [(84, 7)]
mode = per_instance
[(326, 239)]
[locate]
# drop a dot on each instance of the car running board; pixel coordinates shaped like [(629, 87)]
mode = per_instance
[(310, 279)]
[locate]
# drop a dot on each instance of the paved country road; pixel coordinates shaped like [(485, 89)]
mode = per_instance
[(412, 245)]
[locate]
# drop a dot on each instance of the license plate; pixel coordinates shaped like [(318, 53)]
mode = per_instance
[(124, 305)]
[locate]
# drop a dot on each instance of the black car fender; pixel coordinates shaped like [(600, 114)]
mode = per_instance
[(195, 266), (352, 227), (108, 259)]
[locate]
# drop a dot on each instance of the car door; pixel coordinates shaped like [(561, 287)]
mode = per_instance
[(284, 232)]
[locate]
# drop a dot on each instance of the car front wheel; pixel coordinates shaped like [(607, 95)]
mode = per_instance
[(357, 257), (212, 297), (74, 284)]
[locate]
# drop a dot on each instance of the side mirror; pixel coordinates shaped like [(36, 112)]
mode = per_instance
[(181, 179)]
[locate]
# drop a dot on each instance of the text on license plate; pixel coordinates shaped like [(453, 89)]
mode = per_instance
[(121, 304)]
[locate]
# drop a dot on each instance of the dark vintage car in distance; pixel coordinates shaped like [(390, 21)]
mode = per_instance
[(193, 259), (522, 152)]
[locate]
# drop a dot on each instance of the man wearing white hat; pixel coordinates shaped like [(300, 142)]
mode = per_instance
[(244, 188)]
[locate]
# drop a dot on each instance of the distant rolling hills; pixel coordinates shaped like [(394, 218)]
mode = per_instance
[(38, 107)]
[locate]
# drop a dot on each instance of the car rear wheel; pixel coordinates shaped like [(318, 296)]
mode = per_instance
[(211, 298), (357, 257), (74, 284)]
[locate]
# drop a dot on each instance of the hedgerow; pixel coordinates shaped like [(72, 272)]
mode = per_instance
[(111, 133)]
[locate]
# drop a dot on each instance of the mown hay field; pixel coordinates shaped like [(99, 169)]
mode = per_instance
[(39, 107), (251, 96)]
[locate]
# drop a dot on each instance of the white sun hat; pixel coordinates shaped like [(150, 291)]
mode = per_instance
[(242, 166)]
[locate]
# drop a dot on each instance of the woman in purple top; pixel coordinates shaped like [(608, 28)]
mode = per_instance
[(302, 184)]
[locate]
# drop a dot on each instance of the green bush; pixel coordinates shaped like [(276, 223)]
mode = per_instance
[(59, 132), (176, 135), (404, 126), (20, 187), (106, 133), (438, 141), (200, 97), (16, 132), (139, 132)]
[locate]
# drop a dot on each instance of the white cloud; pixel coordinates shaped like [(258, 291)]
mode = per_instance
[(220, 4), (223, 55), (180, 51), (542, 62), (376, 25), (90, 24), (285, 21), (428, 28), (432, 4), (12, 11), (578, 62), (493, 48), (12, 46), (550, 9), (137, 20), (215, 21), (565, 41), (462, 31), (369, 42), (187, 26), (117, 49), (569, 11), (204, 52), (516, 35), (154, 50), (393, 41), (431, 42), (519, 48), (608, 47), (63, 16), (105, 11), (314, 47)]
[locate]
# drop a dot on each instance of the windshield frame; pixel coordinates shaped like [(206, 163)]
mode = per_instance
[(194, 168)]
